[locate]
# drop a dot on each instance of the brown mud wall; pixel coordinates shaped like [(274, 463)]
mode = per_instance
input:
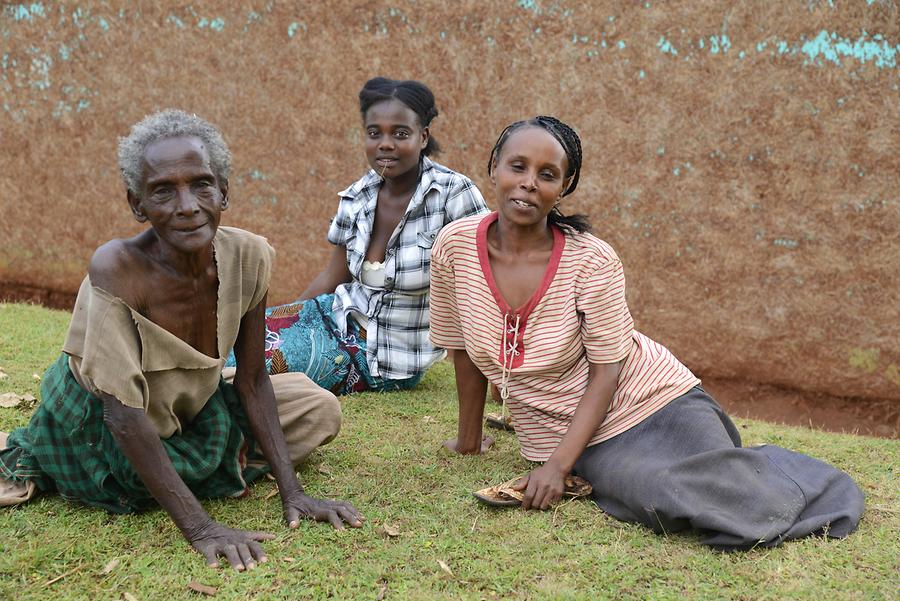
[(742, 158)]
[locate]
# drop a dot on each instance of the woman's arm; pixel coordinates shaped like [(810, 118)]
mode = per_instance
[(258, 399), (141, 445), (334, 274), (471, 387), (544, 485)]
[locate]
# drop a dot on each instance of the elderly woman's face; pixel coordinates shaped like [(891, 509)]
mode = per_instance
[(180, 196)]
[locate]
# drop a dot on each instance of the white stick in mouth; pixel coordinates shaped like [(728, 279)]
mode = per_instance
[(383, 167)]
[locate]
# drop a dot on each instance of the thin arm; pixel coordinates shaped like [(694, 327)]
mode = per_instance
[(590, 413), (471, 388), (258, 398), (141, 445), (334, 274)]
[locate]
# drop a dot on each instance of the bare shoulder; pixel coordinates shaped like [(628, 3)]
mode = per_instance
[(117, 267)]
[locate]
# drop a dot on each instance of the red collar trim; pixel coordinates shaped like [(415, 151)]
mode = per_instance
[(559, 243)]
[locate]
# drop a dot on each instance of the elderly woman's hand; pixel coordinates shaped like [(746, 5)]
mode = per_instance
[(297, 505), (240, 547)]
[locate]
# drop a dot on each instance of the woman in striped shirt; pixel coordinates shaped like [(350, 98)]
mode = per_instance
[(546, 321)]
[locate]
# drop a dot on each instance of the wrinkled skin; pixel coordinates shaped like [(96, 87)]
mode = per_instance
[(168, 274)]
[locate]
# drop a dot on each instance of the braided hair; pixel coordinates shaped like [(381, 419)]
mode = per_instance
[(571, 144), (414, 94)]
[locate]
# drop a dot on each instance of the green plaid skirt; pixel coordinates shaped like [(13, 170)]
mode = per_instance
[(67, 447)]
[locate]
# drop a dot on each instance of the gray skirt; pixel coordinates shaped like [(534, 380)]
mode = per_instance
[(684, 467)]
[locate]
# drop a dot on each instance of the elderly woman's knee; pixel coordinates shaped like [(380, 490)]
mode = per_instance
[(305, 408), (328, 414)]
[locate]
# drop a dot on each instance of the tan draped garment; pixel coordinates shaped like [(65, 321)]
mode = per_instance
[(114, 349)]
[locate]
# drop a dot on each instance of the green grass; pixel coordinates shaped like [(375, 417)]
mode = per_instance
[(388, 462)]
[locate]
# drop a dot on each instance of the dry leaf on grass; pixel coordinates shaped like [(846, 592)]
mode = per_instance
[(3, 375), (428, 419), (128, 597), (203, 589), (381, 591), (324, 469), (36, 377), (112, 565), (11, 399), (388, 530), (288, 559), (445, 567)]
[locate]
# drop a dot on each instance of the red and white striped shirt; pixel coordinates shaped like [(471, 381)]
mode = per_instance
[(577, 315)]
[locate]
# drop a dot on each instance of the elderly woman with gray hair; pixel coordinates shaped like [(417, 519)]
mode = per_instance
[(136, 409)]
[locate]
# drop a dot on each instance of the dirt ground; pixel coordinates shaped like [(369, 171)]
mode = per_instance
[(800, 408)]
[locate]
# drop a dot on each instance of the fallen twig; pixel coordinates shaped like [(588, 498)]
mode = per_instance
[(61, 576)]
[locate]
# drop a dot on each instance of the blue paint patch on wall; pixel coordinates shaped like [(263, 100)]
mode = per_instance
[(293, 27), (25, 12), (719, 43), (830, 47), (786, 243), (666, 46), (822, 49), (77, 17), (217, 24), (39, 69)]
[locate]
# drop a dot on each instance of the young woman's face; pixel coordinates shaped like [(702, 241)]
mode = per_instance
[(394, 138), (529, 176)]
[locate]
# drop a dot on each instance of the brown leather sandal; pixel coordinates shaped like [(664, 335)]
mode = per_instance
[(498, 421), (503, 495)]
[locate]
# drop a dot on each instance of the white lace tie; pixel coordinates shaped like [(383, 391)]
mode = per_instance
[(510, 352)]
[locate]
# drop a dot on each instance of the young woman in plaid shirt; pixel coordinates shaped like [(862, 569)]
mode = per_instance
[(362, 323)]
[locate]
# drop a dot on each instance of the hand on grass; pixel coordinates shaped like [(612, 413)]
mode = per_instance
[(240, 547), (543, 487), (453, 445), (336, 513)]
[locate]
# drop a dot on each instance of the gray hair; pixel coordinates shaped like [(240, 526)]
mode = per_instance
[(170, 123)]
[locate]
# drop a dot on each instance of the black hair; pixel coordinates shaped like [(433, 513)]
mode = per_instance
[(571, 144), (413, 94)]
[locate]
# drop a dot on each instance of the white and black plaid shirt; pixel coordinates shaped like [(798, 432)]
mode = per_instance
[(397, 331)]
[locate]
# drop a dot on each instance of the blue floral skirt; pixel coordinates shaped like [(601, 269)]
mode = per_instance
[(303, 337)]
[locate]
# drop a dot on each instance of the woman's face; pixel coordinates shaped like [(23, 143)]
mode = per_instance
[(180, 195), (394, 138), (529, 176)]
